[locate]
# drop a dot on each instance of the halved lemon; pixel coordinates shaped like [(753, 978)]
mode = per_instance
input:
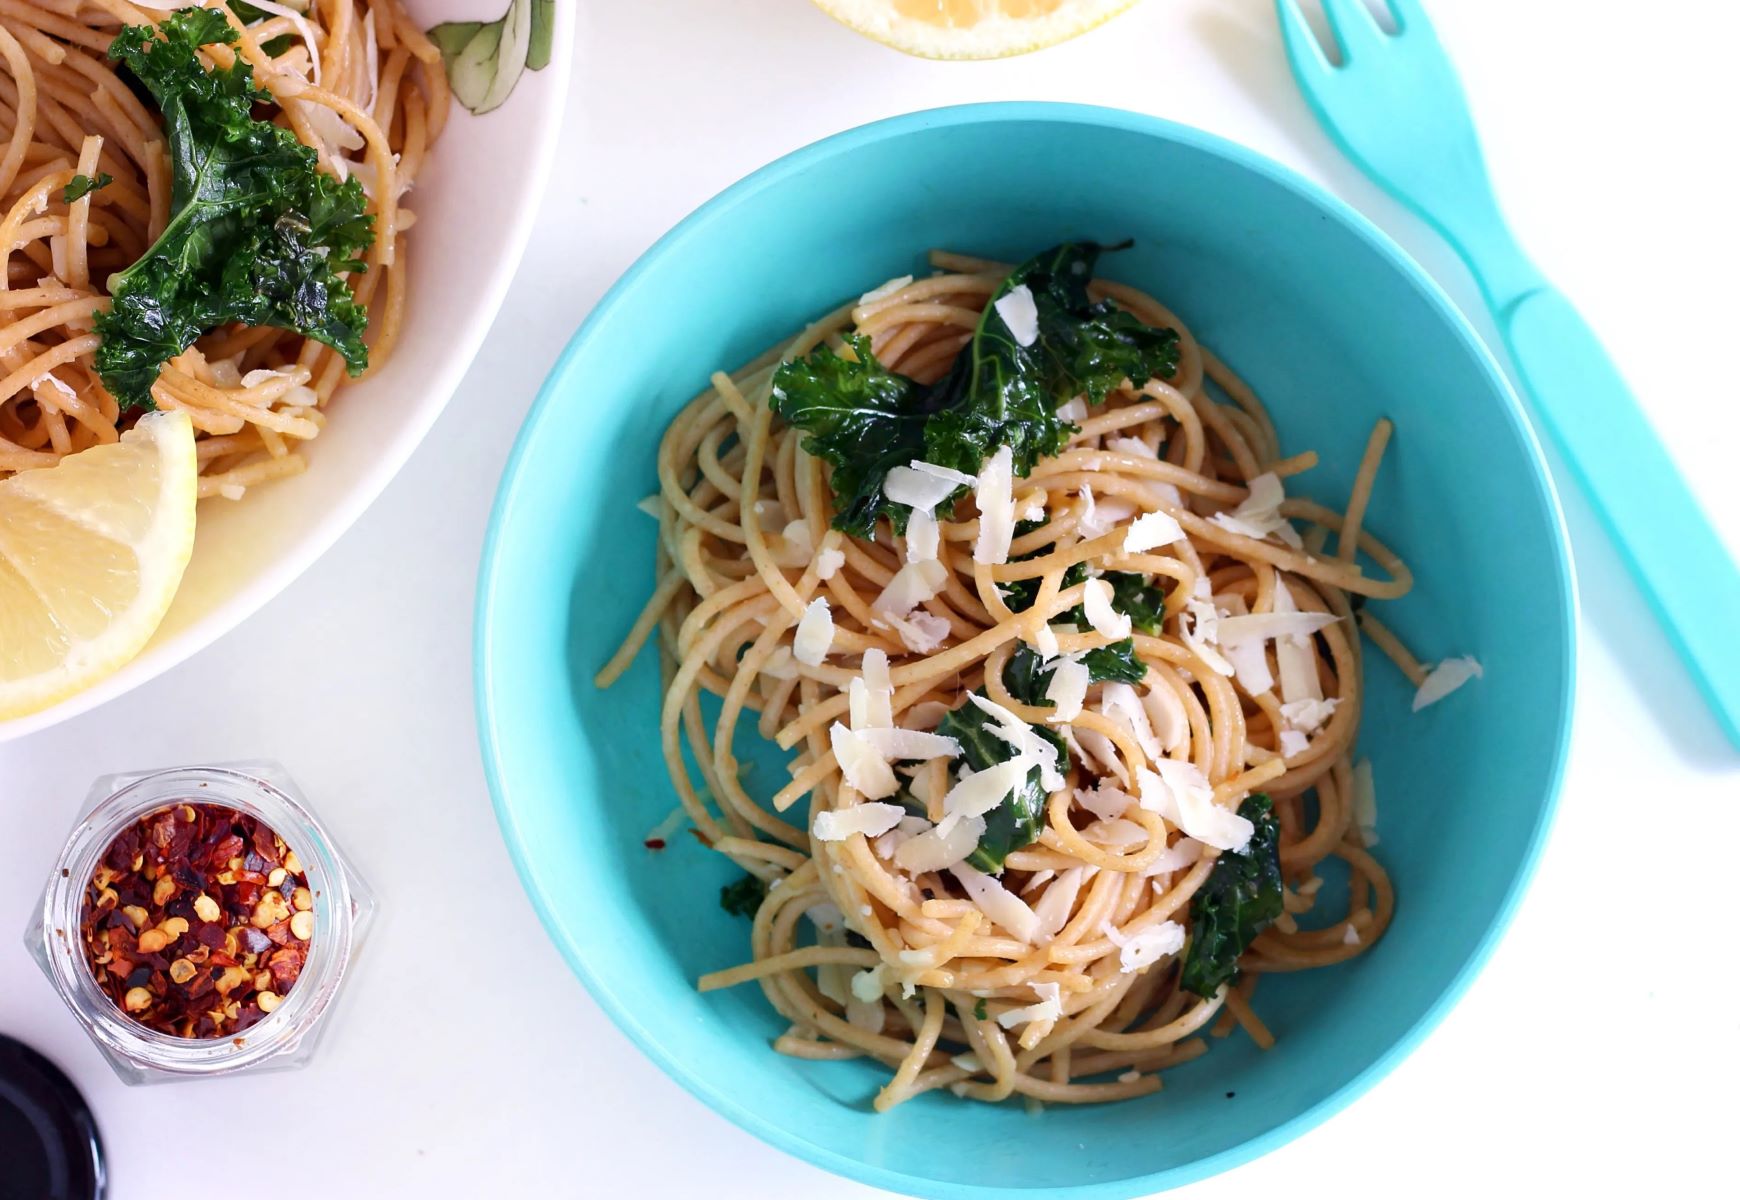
[(91, 552), (972, 28)]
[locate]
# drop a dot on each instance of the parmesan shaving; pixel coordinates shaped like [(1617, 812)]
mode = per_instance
[(1166, 715), (815, 633), (923, 537), (938, 848), (1445, 678), (911, 586), (996, 500), (1106, 620), (1019, 313), (828, 562), (1151, 530), (1104, 801), (910, 745), (1049, 1008), (1067, 689), (871, 820), (1259, 514), (1053, 910), (997, 902), (865, 771), (1119, 702), (900, 283), (917, 489), (1145, 947), (1181, 793), (1024, 740)]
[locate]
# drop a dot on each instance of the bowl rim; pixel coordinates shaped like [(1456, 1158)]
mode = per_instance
[(321, 535), (696, 224)]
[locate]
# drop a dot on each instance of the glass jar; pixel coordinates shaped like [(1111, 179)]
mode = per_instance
[(343, 907)]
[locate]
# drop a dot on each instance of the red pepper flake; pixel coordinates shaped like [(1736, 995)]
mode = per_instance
[(655, 843), (188, 921)]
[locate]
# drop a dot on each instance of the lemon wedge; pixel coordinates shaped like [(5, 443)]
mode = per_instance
[(91, 552), (971, 28)]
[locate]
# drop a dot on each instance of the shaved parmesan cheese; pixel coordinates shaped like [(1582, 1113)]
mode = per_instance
[(1107, 621), (1049, 1008), (652, 506), (1074, 410), (1200, 629), (1104, 801), (1166, 714), (1308, 716), (996, 499), (920, 632), (303, 29), (1365, 801), (779, 664), (910, 745), (1180, 854), (1445, 678), (997, 902), (941, 847), (967, 1062), (1350, 936), (1150, 530), (1259, 514), (886, 290), (869, 1016), (828, 562), (826, 917), (1115, 833), (796, 543), (1024, 740), (958, 478), (865, 771), (1045, 641), (1019, 313), (918, 489), (1181, 793), (871, 820), (911, 586), (815, 633), (1145, 947), (867, 985), (1035, 511), (1293, 743), (1067, 689), (923, 538), (1095, 749), (1250, 661), (1229, 631), (1119, 702), (979, 792), (909, 828), (54, 381), (1053, 911), (870, 695)]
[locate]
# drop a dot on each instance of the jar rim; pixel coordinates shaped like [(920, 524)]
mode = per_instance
[(243, 787)]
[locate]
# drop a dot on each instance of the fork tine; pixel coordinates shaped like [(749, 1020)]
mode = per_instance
[(1354, 26), (1410, 17), (1302, 44)]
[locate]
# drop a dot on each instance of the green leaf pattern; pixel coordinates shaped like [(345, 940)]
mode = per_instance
[(485, 59)]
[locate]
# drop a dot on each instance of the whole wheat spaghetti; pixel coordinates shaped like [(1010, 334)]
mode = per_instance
[(1057, 973), (354, 79)]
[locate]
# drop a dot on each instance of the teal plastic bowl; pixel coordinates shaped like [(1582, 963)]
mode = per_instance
[(1331, 324)]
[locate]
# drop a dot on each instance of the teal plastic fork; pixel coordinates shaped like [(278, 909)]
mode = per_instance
[(1394, 106)]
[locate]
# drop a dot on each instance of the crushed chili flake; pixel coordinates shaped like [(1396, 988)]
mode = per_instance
[(197, 921), (655, 843)]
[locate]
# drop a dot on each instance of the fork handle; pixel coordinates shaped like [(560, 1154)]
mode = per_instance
[(1673, 550)]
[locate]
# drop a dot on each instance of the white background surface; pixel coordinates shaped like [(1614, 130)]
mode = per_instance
[(1598, 1051)]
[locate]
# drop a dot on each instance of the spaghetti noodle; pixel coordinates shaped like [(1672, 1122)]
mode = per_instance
[(355, 80), (1059, 978)]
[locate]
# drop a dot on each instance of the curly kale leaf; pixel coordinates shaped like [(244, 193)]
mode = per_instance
[(866, 420), (256, 233), (1240, 898)]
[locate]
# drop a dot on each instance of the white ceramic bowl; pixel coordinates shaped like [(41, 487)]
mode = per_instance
[(475, 200)]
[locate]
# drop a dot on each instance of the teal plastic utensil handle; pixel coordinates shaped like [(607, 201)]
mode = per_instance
[(1674, 552)]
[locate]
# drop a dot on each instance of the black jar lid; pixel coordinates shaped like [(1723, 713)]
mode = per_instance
[(48, 1137)]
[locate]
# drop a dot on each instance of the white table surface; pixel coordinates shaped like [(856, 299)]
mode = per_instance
[(1600, 1047)]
